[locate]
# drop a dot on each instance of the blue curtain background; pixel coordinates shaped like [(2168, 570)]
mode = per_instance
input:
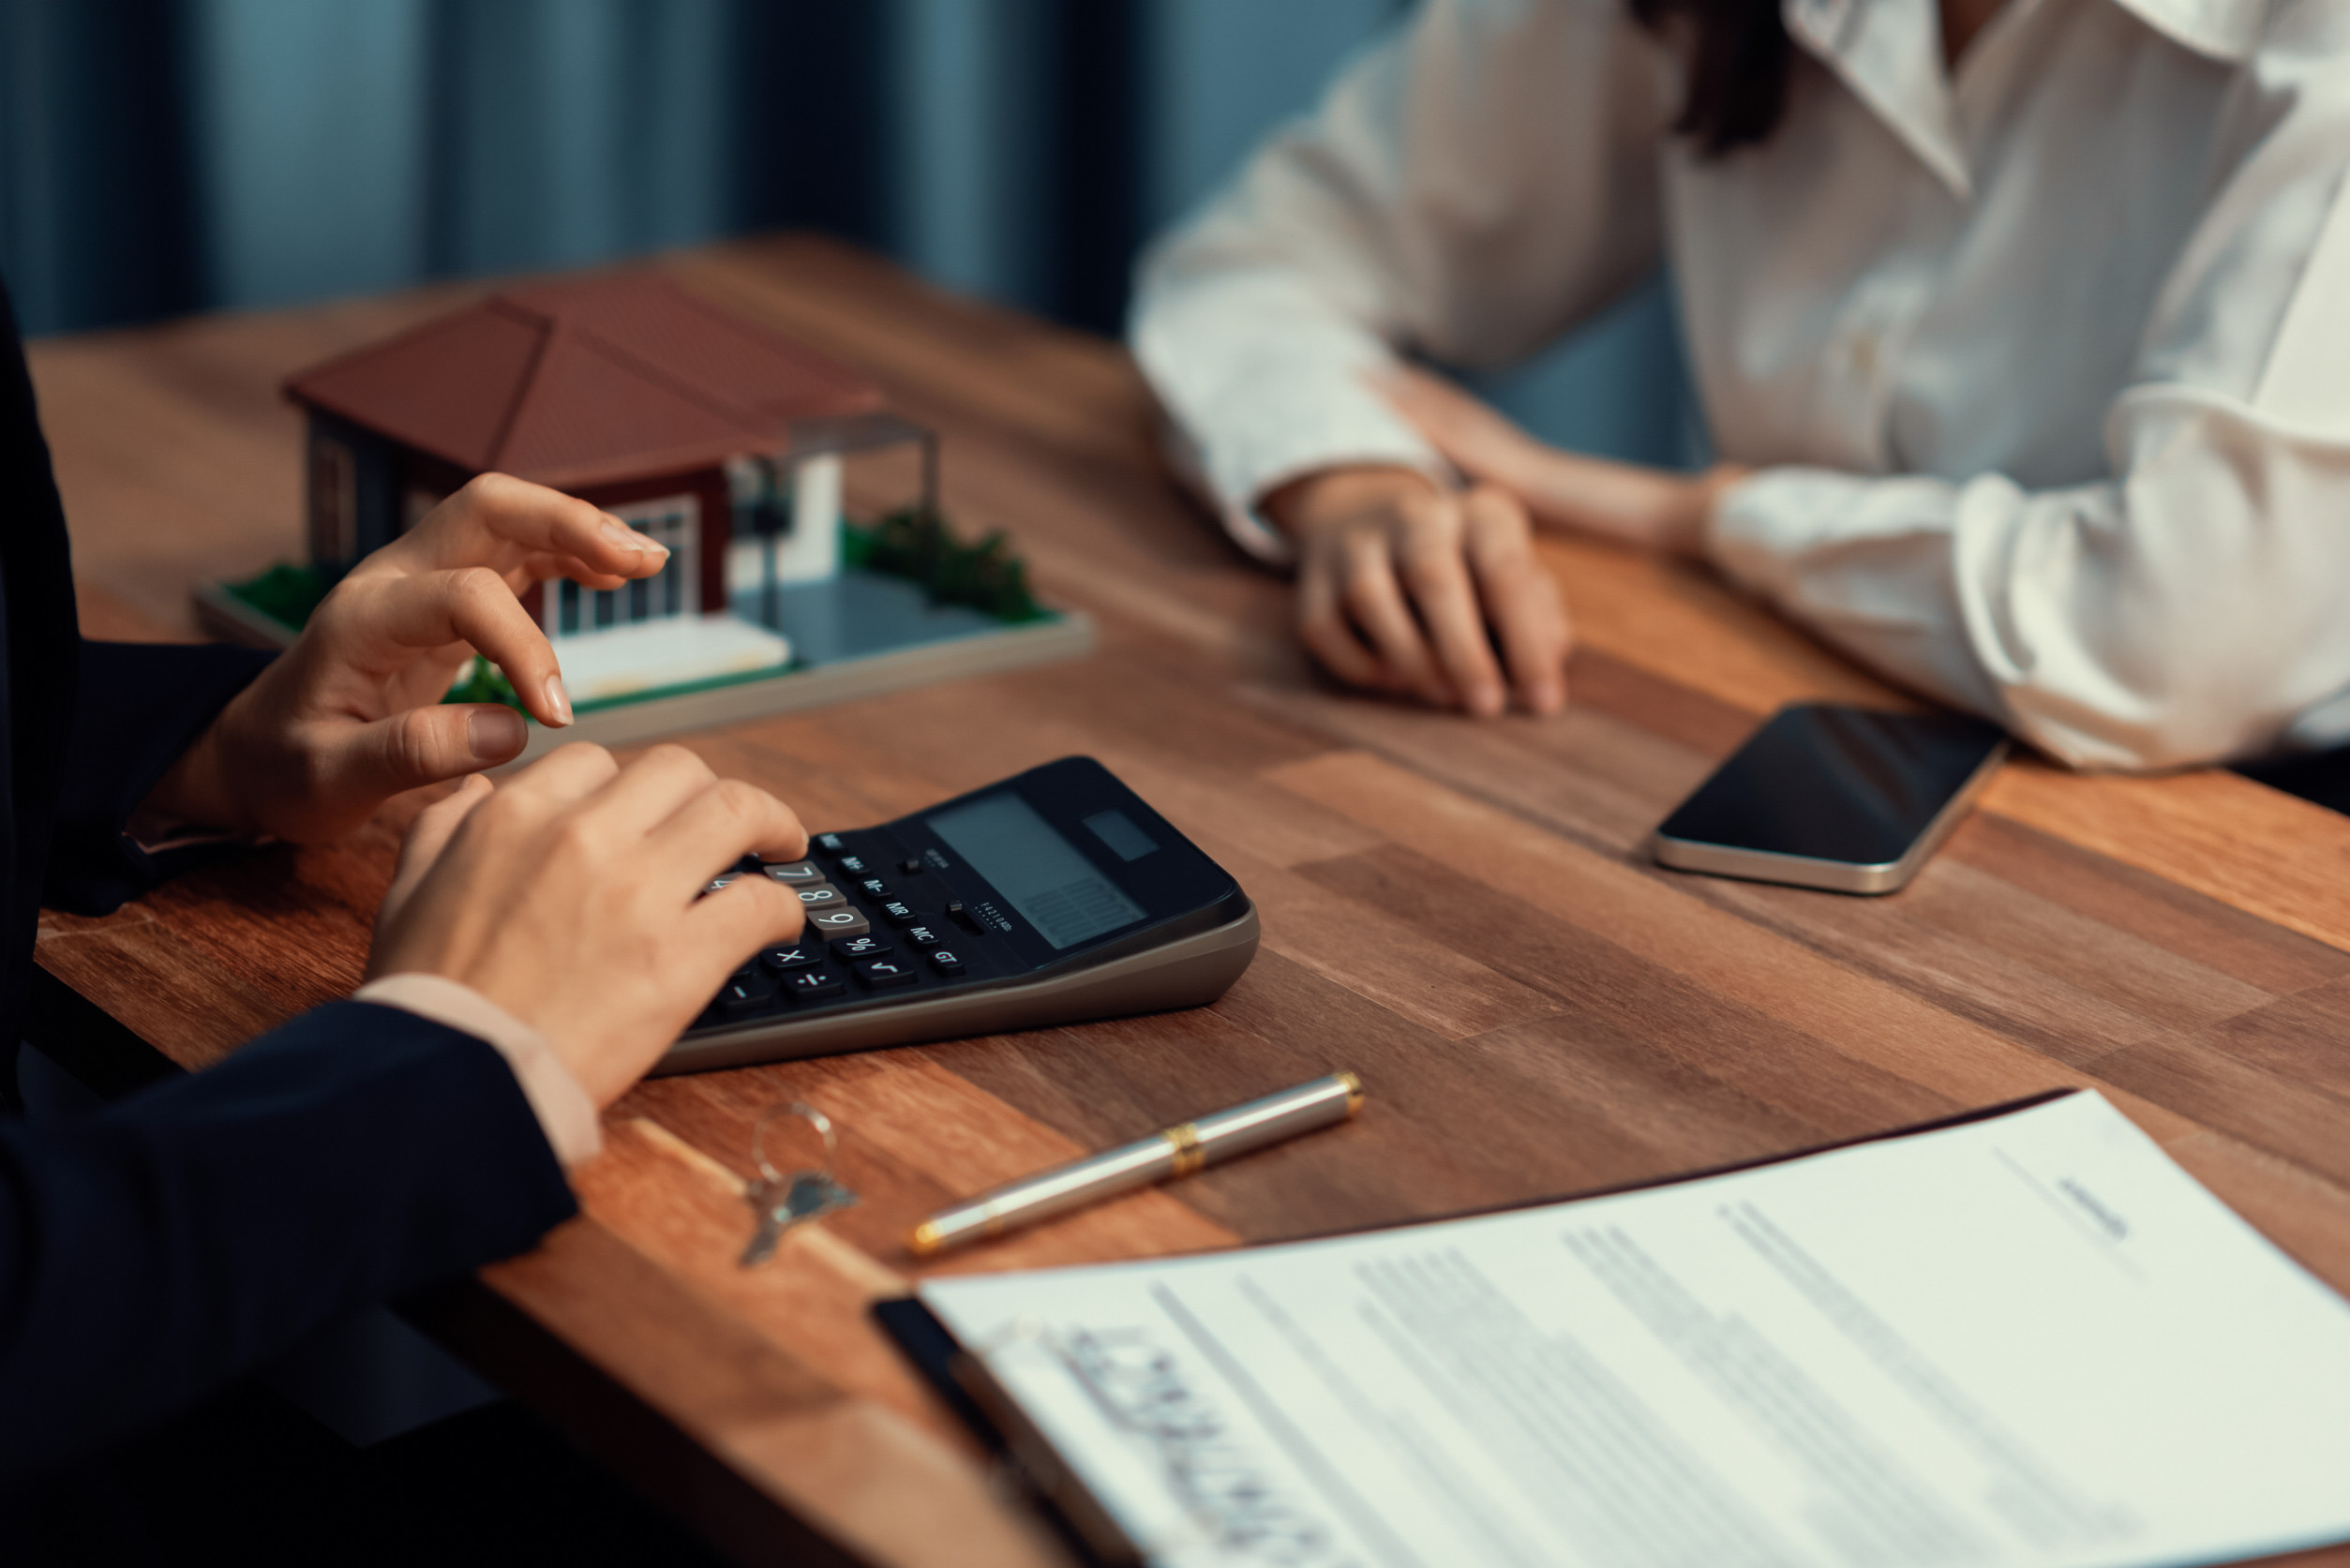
[(166, 156)]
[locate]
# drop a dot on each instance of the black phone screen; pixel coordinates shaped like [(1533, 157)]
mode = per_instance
[(1830, 782)]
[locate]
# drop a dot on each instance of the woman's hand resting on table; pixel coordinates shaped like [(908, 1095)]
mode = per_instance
[(351, 715), (1399, 582), (569, 895), (1404, 586)]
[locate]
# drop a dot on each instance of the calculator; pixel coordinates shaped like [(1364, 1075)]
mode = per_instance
[(1053, 897)]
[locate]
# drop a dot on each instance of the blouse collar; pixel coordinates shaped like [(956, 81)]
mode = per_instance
[(1889, 53)]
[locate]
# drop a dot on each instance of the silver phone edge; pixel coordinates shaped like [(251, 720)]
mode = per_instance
[(1189, 972), (1836, 876)]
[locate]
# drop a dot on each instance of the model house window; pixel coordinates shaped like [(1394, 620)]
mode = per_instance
[(672, 521), (334, 500)]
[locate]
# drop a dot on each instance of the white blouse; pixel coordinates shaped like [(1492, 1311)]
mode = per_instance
[(2046, 370)]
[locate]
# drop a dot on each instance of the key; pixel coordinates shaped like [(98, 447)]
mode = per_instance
[(880, 973), (845, 921), (777, 1206)]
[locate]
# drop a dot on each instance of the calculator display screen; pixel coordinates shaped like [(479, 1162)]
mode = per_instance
[(1041, 874)]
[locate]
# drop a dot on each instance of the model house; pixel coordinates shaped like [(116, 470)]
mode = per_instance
[(714, 435)]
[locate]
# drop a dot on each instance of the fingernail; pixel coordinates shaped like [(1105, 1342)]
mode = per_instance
[(618, 532), (558, 700), (494, 733)]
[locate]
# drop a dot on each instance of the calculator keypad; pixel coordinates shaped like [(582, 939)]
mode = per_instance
[(878, 923)]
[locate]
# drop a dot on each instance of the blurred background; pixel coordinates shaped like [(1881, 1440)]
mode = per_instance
[(160, 156)]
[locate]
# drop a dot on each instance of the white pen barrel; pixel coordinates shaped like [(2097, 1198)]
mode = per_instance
[(1049, 1192), (1175, 1151), (1245, 1128)]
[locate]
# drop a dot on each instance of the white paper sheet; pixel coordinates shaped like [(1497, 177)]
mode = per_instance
[(2028, 1340)]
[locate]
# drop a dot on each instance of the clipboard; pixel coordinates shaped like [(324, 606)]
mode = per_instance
[(1085, 1526)]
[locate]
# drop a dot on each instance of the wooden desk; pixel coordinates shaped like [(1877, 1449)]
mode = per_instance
[(1457, 910)]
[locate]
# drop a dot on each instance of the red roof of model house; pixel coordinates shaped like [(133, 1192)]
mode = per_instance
[(587, 383)]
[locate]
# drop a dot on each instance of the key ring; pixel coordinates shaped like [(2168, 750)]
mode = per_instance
[(779, 1200), (815, 1118)]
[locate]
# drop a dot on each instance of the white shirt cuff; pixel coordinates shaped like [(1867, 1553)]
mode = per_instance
[(566, 1113)]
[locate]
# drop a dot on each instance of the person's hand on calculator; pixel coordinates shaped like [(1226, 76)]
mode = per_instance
[(571, 895), (351, 715)]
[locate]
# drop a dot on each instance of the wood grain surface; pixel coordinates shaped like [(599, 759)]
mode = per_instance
[(1458, 911)]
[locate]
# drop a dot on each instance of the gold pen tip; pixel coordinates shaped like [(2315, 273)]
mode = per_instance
[(1353, 1091), (923, 1239)]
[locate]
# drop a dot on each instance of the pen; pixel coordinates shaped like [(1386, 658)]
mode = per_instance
[(1175, 1151)]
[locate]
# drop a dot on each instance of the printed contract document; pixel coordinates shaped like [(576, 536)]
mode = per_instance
[(2030, 1338)]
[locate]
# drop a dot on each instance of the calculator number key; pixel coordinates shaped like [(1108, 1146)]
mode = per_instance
[(845, 921), (795, 873), (823, 895)]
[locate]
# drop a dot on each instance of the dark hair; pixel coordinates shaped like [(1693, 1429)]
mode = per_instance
[(1739, 58)]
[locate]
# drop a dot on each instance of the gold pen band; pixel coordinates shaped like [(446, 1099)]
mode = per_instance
[(1190, 1156), (1182, 1150)]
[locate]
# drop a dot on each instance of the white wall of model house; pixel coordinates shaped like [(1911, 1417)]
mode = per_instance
[(656, 631)]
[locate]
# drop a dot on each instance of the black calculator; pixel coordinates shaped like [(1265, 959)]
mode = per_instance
[(1053, 897)]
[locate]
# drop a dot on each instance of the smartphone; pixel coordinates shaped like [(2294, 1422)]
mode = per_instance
[(1851, 800)]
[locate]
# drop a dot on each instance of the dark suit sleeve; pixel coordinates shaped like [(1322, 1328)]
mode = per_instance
[(137, 708), (156, 1249)]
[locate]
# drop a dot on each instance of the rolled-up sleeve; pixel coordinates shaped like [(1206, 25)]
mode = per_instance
[(2195, 608), (1469, 188)]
